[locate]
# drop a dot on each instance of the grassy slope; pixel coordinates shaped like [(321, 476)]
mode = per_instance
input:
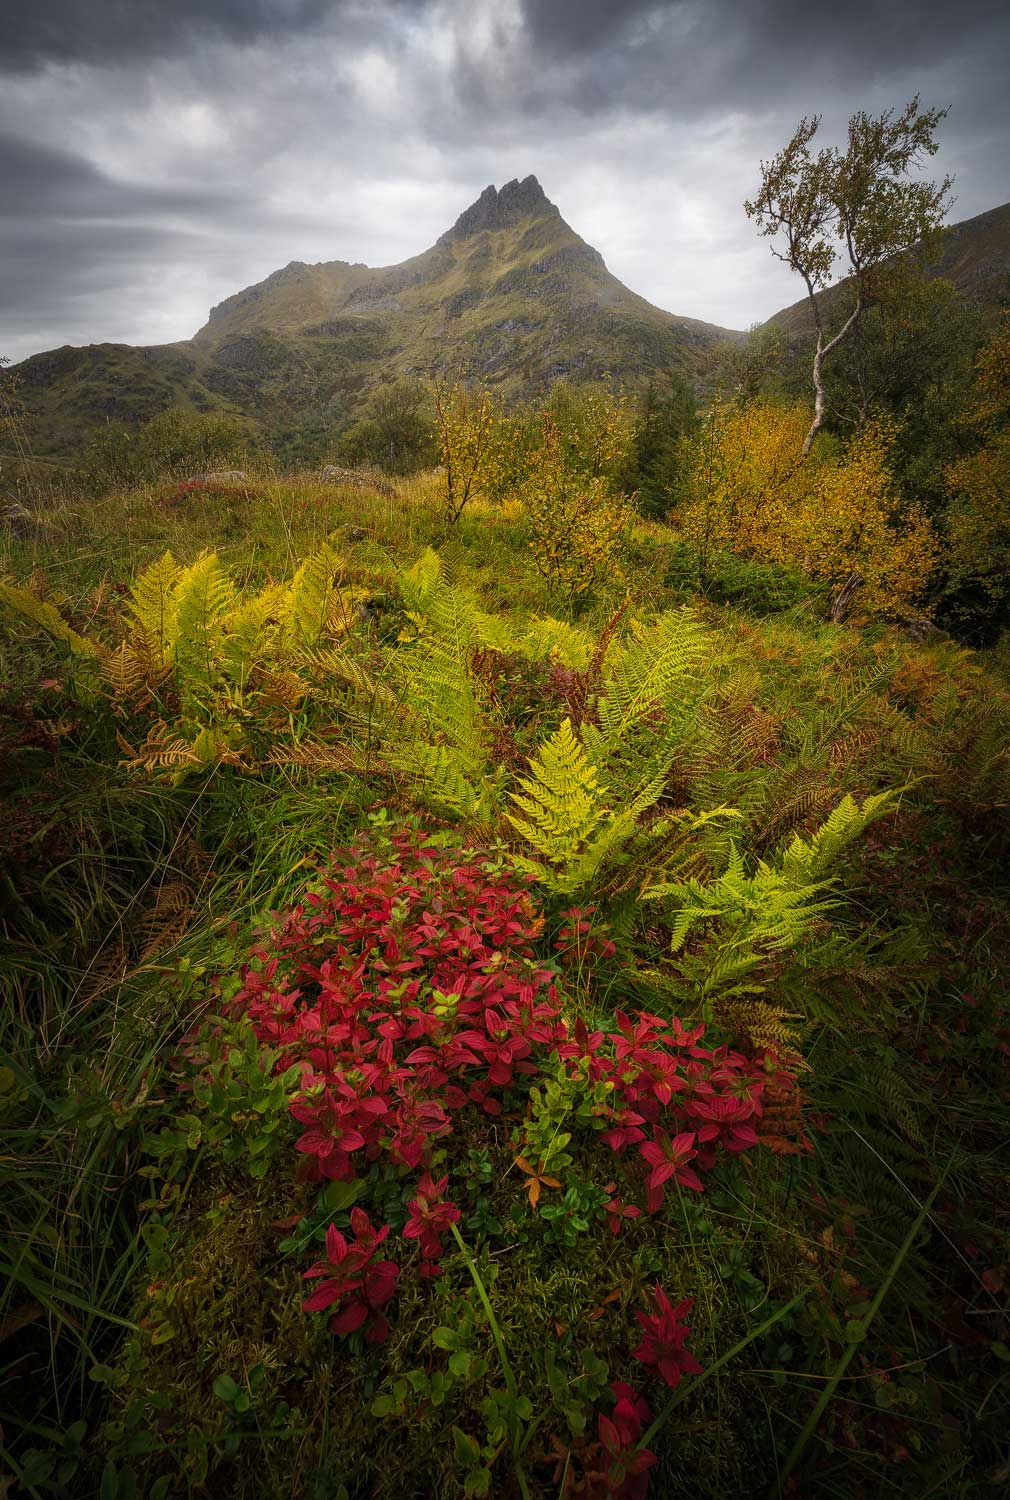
[(907, 1082)]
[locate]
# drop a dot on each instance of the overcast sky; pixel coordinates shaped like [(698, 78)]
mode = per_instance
[(158, 155)]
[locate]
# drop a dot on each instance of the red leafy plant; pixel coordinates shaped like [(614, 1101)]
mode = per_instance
[(611, 1467), (406, 987), (627, 1473), (430, 1216), (663, 1347), (360, 1285)]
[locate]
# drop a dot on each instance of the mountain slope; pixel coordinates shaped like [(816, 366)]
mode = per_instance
[(510, 289), (974, 255)]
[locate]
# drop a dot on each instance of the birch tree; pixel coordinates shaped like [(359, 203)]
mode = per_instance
[(860, 204)]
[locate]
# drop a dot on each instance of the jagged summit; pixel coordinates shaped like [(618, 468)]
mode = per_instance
[(500, 208)]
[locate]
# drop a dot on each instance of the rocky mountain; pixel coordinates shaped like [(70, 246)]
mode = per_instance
[(511, 289), (974, 255)]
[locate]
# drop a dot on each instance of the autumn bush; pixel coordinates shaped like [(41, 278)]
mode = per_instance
[(411, 1003), (977, 521), (746, 489)]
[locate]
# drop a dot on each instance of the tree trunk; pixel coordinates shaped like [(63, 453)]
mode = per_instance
[(842, 601), (808, 441), (823, 349)]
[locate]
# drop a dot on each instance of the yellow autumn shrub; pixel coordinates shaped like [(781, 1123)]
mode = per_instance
[(466, 425), (577, 523), (748, 490), (978, 518)]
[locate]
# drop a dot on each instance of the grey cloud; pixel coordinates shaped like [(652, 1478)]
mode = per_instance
[(578, 25), (73, 31), (704, 55), (40, 182)]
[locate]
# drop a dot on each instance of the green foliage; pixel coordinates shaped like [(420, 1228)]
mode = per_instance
[(240, 1107), (562, 801), (564, 1105), (177, 441), (750, 920), (394, 432), (716, 786), (190, 642), (28, 606), (859, 201), (665, 414)]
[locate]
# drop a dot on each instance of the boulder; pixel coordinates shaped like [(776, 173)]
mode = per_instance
[(355, 479), (220, 476)]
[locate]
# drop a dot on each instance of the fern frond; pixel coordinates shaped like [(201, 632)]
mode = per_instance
[(562, 799), (791, 798), (204, 596), (445, 783), (420, 582), (153, 607), (283, 689), (446, 705), (28, 606), (346, 608), (557, 639), (162, 925), (805, 860), (161, 750), (132, 673), (757, 1022), (251, 628), (334, 664), (324, 755), (604, 639), (310, 598), (164, 750), (648, 673)]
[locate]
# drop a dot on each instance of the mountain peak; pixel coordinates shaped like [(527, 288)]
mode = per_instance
[(498, 208)]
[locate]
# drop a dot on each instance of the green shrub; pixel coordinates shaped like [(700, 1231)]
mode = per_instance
[(177, 442)]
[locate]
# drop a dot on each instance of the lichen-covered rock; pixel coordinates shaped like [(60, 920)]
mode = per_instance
[(220, 476), (336, 474)]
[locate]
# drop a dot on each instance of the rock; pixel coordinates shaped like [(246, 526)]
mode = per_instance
[(220, 476), (501, 208), (335, 474), (20, 520), (920, 631)]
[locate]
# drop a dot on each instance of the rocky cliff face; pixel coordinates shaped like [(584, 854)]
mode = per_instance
[(501, 209)]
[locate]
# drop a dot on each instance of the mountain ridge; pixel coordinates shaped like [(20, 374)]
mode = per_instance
[(510, 290)]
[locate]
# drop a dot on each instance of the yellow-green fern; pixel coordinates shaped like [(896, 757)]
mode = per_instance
[(153, 608), (28, 606), (562, 799), (309, 599)]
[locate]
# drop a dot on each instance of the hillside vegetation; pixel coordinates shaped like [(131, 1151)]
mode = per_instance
[(533, 1029)]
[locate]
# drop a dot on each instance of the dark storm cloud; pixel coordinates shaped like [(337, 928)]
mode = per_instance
[(156, 155), (42, 31), (759, 40), (718, 54), (39, 182), (578, 25)]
